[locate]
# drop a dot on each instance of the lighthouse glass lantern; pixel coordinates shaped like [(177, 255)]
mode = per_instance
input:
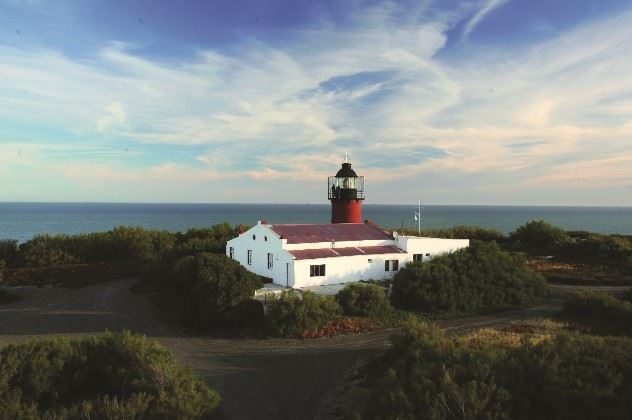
[(346, 193)]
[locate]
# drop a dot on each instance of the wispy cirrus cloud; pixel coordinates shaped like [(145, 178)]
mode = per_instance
[(269, 112)]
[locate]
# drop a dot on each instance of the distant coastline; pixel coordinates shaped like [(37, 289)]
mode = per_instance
[(22, 221)]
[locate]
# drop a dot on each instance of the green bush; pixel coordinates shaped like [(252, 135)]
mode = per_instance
[(603, 308), (9, 251), (121, 243), (216, 286), (426, 375), (605, 249), (540, 236), (479, 278), (463, 232), (291, 314), (106, 376), (358, 299)]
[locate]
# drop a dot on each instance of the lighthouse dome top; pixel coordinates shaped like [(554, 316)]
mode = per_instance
[(346, 171)]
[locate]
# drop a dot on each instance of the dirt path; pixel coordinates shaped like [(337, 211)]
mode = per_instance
[(258, 378)]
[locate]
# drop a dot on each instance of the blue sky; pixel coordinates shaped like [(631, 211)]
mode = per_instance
[(451, 102)]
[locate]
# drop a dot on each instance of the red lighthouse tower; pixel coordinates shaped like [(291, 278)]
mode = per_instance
[(346, 193)]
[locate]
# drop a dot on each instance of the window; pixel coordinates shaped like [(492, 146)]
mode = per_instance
[(250, 257), (254, 237), (391, 265), (317, 270), (270, 261), (265, 238), (231, 253), (418, 257)]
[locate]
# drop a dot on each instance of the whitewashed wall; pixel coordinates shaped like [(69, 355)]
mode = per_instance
[(296, 273), (433, 246), (260, 248), (345, 269)]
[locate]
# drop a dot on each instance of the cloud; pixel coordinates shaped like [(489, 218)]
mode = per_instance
[(477, 18), (287, 111), (114, 115)]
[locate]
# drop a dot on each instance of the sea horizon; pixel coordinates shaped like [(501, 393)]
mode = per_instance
[(24, 220)]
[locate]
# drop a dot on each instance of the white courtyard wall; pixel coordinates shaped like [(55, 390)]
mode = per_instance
[(429, 247)]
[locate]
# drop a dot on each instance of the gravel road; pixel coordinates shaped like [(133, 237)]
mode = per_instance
[(258, 378)]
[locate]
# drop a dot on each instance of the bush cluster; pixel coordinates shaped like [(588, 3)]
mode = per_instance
[(121, 243), (291, 314), (107, 376), (601, 307), (426, 375), (359, 299), (539, 235), (207, 290), (480, 278), (464, 232)]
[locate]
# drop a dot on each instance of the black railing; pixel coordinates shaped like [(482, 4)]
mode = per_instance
[(335, 190)]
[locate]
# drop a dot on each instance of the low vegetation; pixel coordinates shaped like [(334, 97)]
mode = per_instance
[(206, 290), (602, 312), (291, 314), (111, 376), (131, 247), (360, 299), (461, 232), (480, 278), (562, 375)]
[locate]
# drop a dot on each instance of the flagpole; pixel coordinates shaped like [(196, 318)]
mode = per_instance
[(419, 220)]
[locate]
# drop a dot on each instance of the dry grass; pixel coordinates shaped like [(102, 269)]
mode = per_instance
[(515, 333), (580, 273)]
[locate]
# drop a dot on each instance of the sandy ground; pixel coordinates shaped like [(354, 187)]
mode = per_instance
[(258, 378)]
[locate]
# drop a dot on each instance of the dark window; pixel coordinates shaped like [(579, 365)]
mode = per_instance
[(391, 265), (427, 255), (317, 270), (418, 257), (254, 237), (249, 256), (231, 252), (265, 238), (270, 260)]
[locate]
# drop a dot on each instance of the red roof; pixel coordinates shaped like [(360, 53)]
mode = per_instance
[(335, 232), (310, 254)]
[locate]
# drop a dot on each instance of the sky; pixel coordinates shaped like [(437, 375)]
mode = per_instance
[(499, 102)]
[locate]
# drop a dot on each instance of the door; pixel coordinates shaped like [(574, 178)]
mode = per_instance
[(287, 274)]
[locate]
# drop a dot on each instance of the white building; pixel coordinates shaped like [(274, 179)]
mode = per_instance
[(303, 255)]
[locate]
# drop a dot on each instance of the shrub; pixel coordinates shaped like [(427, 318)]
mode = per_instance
[(606, 249), (604, 308), (540, 235), (216, 285), (291, 314), (427, 375), (363, 299), (9, 251), (113, 375), (479, 278), (464, 232)]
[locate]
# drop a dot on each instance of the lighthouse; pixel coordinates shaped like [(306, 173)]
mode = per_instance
[(346, 193)]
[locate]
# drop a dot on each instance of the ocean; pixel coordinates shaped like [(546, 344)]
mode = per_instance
[(22, 221)]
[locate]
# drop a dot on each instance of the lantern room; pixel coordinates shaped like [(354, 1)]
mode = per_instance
[(346, 192)]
